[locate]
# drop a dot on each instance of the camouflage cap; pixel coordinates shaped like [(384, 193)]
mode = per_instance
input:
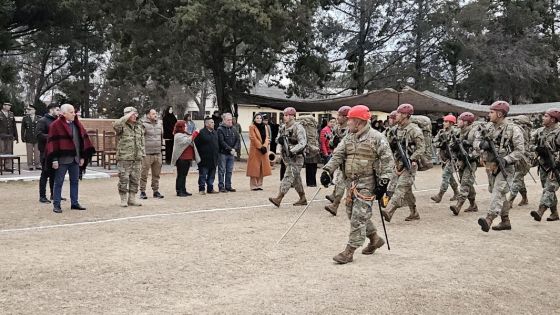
[(130, 109)]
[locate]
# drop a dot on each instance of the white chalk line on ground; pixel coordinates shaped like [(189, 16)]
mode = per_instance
[(156, 215)]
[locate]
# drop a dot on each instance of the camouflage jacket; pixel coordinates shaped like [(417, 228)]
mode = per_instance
[(363, 154), (339, 132), (546, 138), (130, 137), (296, 136), (508, 140), (412, 139), (443, 138)]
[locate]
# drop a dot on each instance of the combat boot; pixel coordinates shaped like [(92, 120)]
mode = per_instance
[(333, 208), (132, 201), (277, 200), (554, 215), (486, 223), (511, 199), (504, 225), (455, 194), (537, 215), (345, 256), (124, 200), (388, 214), (437, 198), (302, 201), (457, 208), (472, 206), (330, 198), (524, 201), (414, 215), (375, 242)]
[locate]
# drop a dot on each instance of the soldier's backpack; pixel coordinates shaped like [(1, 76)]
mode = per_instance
[(310, 125), (425, 124)]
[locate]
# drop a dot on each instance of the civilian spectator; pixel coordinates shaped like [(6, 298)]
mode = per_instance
[(42, 134), (229, 142), (208, 147), (152, 160), (237, 128), (184, 152), (191, 126), (324, 140), (68, 150), (130, 152), (169, 121), (258, 164), (217, 118)]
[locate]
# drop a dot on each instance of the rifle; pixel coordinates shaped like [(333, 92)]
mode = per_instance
[(501, 166), (465, 155), (546, 153), (451, 161), (404, 157)]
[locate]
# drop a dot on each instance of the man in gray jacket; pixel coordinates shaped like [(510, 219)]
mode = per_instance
[(152, 137)]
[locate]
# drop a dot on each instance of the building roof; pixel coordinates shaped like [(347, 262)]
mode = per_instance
[(387, 100)]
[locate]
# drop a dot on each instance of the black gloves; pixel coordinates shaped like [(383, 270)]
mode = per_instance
[(381, 188), (281, 140), (263, 150), (325, 178)]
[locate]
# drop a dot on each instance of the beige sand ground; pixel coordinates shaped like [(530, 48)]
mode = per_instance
[(227, 262)]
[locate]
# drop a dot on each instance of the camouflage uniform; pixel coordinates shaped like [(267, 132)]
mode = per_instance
[(297, 140), (339, 133), (523, 166), (412, 139), (508, 140), (391, 133), (470, 138), (548, 137), (130, 151), (363, 155), (441, 141)]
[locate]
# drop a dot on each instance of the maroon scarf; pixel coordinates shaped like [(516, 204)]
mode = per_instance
[(60, 142)]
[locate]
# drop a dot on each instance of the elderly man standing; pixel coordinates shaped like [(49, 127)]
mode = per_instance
[(68, 150), (229, 143), (208, 148), (130, 151), (152, 135), (8, 131)]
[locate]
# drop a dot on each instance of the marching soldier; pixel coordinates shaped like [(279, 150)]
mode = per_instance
[(442, 141), (410, 138), (130, 152), (339, 132), (523, 166), (293, 140), (365, 157), (547, 143), (502, 146), (466, 142)]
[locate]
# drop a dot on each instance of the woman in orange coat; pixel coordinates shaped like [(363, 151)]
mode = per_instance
[(258, 165)]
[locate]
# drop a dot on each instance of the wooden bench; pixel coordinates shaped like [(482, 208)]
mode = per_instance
[(9, 157)]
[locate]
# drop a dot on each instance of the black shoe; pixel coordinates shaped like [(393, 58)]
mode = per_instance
[(182, 194), (231, 190), (255, 189), (158, 195), (311, 185), (187, 193), (57, 210), (61, 198), (143, 195), (44, 200), (222, 190), (77, 207)]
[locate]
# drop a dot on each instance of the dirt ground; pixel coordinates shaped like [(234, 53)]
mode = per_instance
[(218, 254)]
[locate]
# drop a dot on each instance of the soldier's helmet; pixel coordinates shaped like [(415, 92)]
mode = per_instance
[(344, 110), (405, 109), (290, 111), (502, 106), (359, 112), (467, 116), (393, 114), (554, 113), (450, 118)]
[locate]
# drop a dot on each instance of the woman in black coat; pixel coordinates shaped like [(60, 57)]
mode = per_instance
[(169, 121)]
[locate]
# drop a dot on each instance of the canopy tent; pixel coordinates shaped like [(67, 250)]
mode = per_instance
[(387, 100)]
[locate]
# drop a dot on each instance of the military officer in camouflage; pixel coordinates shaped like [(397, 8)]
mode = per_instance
[(523, 166), (292, 139), (469, 139), (367, 164), (507, 139), (547, 145), (411, 139), (130, 152), (441, 141), (339, 133)]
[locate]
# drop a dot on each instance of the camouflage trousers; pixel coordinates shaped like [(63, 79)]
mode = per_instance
[(129, 176), (466, 185), (359, 212), (447, 177), (292, 176), (518, 186), (550, 186), (498, 187), (339, 185), (403, 190)]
